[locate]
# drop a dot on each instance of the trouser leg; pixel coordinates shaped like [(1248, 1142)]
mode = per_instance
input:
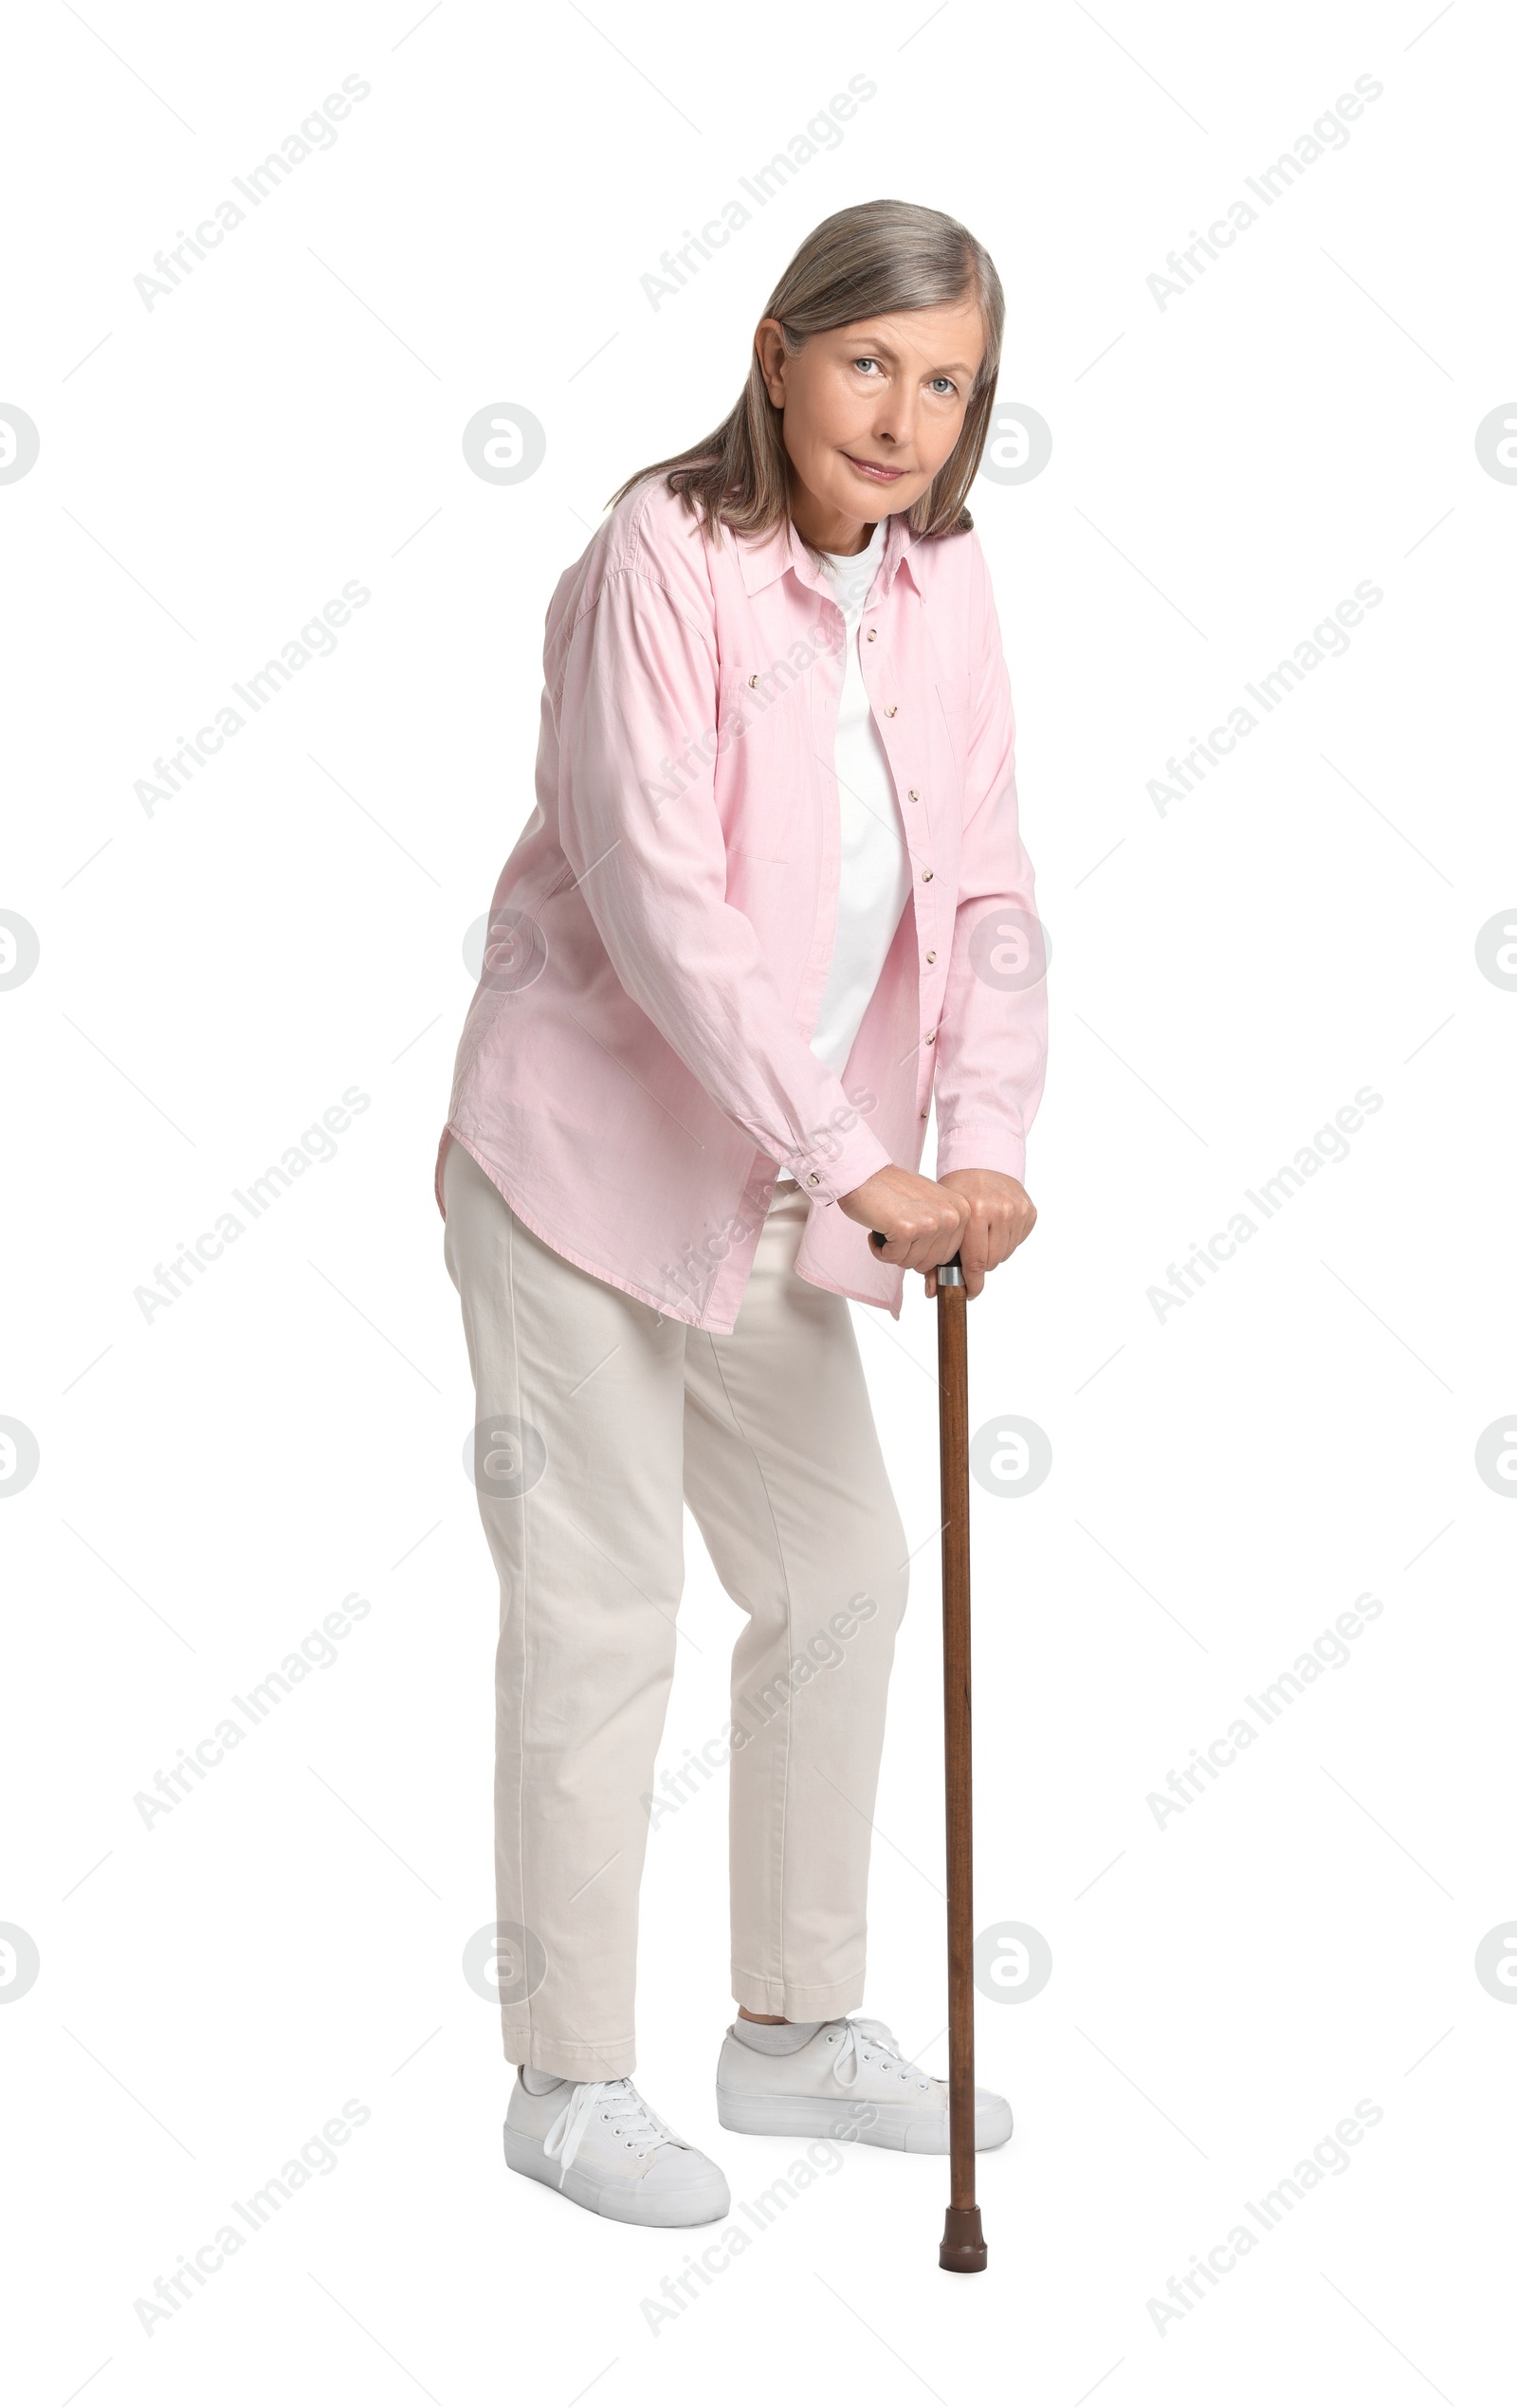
[(784, 1475), (578, 1466)]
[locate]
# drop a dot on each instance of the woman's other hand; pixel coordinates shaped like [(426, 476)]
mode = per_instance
[(1001, 1214)]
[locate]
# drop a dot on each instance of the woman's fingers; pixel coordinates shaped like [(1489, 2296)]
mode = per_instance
[(943, 1237), (922, 1228), (986, 1242), (926, 1224), (993, 1232)]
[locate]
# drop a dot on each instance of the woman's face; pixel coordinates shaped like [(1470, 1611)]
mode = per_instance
[(871, 412)]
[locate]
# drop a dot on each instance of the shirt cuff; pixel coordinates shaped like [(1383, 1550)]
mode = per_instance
[(836, 1163), (988, 1148)]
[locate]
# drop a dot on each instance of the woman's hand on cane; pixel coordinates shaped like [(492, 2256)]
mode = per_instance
[(1001, 1214), (980, 1215), (921, 1220)]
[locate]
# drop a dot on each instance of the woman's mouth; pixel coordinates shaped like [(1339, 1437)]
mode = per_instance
[(874, 469)]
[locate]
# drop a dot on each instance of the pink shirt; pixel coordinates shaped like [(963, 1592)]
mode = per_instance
[(635, 1070)]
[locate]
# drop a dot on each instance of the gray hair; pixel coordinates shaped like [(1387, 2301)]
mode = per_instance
[(866, 262)]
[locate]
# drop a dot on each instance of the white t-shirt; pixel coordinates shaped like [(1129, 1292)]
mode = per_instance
[(874, 872)]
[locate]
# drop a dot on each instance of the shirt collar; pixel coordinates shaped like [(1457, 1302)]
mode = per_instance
[(767, 557)]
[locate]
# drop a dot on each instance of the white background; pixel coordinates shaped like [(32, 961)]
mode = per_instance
[(1226, 1481)]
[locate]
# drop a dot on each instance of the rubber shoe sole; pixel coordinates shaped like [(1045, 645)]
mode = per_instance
[(878, 2127), (702, 2203)]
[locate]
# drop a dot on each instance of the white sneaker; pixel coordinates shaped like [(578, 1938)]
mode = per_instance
[(604, 2147), (847, 2082)]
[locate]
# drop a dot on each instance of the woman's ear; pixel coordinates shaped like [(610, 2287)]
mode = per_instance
[(769, 342)]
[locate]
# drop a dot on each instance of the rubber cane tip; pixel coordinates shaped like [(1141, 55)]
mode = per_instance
[(962, 2249)]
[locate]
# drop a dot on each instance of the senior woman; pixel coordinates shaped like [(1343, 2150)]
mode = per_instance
[(757, 920)]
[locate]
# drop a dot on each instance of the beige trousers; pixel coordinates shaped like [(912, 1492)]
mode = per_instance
[(597, 1418)]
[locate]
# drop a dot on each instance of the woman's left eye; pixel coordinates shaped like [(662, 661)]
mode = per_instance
[(947, 384)]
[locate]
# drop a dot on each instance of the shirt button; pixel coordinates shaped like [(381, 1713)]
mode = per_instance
[(926, 873), (870, 633), (931, 1035), (912, 795), (922, 1116), (754, 680), (932, 956), (891, 709), (813, 1179)]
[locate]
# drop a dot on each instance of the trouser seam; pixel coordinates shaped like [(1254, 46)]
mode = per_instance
[(789, 1650), (526, 1590)]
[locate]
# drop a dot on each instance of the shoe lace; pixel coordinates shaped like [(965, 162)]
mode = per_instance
[(864, 2039), (617, 2104)]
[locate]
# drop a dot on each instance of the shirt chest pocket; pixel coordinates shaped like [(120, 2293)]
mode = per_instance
[(764, 758), (767, 694), (952, 725), (733, 714)]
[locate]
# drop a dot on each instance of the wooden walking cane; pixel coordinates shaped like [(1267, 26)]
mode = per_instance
[(963, 2248)]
